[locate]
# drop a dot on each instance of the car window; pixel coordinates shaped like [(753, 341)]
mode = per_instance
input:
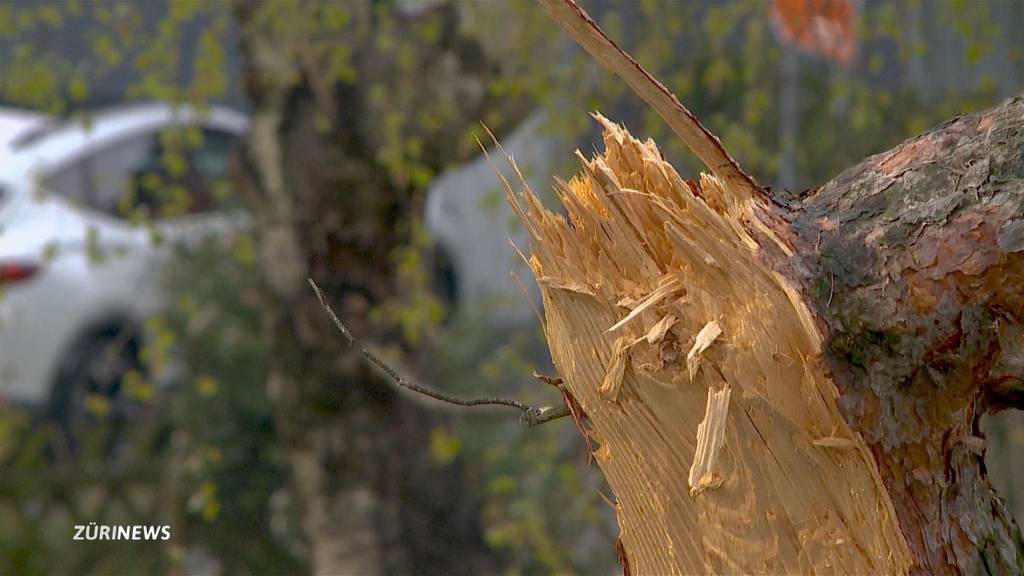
[(68, 183), (211, 158), (151, 176), (114, 171), (100, 180)]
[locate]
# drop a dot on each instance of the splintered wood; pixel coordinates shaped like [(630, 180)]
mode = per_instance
[(710, 434), (699, 369), (704, 338)]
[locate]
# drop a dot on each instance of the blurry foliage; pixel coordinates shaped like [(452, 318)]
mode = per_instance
[(723, 61), (222, 419), (417, 311), (542, 504), (200, 457), (203, 457), (112, 475)]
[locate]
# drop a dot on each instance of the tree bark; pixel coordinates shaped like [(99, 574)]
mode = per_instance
[(913, 261), (326, 205)]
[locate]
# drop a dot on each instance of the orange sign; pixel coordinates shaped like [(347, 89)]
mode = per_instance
[(824, 28)]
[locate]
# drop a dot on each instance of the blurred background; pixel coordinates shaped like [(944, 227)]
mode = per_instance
[(172, 172)]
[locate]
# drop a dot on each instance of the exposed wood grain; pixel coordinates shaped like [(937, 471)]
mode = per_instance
[(765, 497)]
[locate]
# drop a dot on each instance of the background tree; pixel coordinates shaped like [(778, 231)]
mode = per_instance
[(345, 122)]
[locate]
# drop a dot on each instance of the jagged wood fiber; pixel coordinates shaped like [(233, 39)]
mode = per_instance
[(637, 283)]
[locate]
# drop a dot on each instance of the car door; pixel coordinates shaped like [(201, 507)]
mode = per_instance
[(141, 195), (100, 225), (116, 252)]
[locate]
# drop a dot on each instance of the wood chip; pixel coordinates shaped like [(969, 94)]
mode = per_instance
[(658, 331), (705, 337), (577, 287), (710, 436), (612, 384), (667, 286)]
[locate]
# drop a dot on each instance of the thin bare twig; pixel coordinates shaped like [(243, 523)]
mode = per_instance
[(530, 415)]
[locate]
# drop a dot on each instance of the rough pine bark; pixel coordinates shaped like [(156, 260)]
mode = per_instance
[(914, 263), (368, 497)]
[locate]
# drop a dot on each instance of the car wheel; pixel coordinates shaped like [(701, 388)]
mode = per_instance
[(88, 390)]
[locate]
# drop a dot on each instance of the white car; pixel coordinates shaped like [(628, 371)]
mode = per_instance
[(76, 278)]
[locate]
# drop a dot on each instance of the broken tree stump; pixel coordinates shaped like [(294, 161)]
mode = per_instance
[(748, 465), (791, 385)]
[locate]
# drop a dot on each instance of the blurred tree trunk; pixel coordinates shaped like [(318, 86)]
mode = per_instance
[(341, 94)]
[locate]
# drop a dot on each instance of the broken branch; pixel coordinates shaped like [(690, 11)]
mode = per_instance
[(531, 415)]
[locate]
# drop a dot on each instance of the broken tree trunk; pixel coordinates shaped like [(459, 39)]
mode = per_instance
[(778, 385)]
